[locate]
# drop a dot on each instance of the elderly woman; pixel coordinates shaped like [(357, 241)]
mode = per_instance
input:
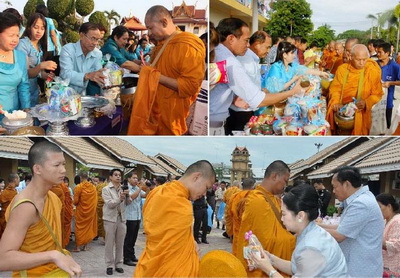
[(391, 234), (317, 253), (284, 72), (115, 45), (14, 83)]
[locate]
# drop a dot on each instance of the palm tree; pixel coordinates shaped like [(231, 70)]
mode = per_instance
[(112, 16), (373, 18)]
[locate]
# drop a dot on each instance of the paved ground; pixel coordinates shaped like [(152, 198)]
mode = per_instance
[(93, 265)]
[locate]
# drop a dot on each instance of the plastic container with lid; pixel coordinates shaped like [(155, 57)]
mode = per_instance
[(13, 125)]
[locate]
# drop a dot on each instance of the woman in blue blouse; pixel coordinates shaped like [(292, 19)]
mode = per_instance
[(115, 45), (317, 253), (34, 45), (14, 84), (144, 46), (284, 72)]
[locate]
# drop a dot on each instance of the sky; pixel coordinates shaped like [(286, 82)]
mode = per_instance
[(123, 7), (263, 150), (343, 15)]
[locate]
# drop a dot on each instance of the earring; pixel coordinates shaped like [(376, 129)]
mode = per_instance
[(299, 220)]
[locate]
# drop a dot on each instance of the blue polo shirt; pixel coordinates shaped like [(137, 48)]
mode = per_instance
[(390, 72)]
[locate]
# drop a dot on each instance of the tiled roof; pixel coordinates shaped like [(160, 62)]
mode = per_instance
[(172, 161), (165, 167), (387, 156), (295, 164), (85, 152), (351, 157), (123, 150), (15, 147), (156, 170)]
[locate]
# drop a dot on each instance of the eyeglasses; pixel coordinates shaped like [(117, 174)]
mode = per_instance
[(96, 40)]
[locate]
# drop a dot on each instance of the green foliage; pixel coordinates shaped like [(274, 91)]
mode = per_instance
[(55, 23), (112, 16), (331, 210), (84, 7), (361, 35), (99, 18), (58, 8), (397, 11), (290, 15), (323, 35), (71, 8), (30, 8), (71, 36)]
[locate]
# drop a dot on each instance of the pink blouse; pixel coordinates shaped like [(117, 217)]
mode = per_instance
[(391, 236)]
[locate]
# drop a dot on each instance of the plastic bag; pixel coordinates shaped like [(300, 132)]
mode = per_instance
[(254, 247), (63, 99), (112, 73)]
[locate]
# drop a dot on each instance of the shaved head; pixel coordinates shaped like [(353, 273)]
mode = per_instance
[(339, 48), (347, 48), (158, 12), (39, 151), (359, 48), (248, 183), (359, 56), (202, 166), (278, 167)]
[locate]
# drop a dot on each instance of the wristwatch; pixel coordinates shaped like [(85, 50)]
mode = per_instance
[(272, 272)]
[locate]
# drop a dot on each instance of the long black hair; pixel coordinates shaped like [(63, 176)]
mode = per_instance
[(388, 199), (284, 47), (28, 31)]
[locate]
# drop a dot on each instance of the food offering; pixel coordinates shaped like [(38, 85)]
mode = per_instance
[(254, 247)]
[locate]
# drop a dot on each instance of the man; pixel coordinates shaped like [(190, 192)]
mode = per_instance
[(200, 220), (324, 196), (350, 42), (390, 77), (260, 44), (100, 203), (361, 80), (235, 211), (361, 226), (27, 243), (85, 200), (133, 214), (310, 56), (339, 48), (168, 218), (22, 184), (80, 62), (68, 212), (168, 87), (262, 216), (6, 196), (328, 56), (235, 35)]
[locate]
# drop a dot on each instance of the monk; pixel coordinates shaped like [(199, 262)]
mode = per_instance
[(100, 202), (328, 57), (68, 213), (6, 196), (59, 191), (350, 42), (27, 243), (163, 107), (360, 68), (262, 216), (168, 222), (85, 200), (339, 48), (236, 206), (233, 189)]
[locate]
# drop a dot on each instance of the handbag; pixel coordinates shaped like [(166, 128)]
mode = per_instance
[(378, 115), (58, 272)]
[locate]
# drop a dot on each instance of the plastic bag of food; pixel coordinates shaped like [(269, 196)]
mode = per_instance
[(113, 73), (254, 247), (63, 99)]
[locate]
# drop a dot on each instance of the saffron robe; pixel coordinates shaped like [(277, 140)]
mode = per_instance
[(100, 203), (6, 197), (68, 213), (227, 216)]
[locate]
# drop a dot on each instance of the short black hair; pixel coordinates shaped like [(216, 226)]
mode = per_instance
[(161, 180), (350, 174), (313, 44), (8, 20), (202, 166), (278, 166), (258, 36), (87, 26), (318, 181), (386, 47), (28, 177), (42, 9), (102, 179), (130, 174), (38, 152), (14, 12), (142, 40), (224, 182), (388, 199), (114, 170), (77, 179), (119, 31), (303, 198), (303, 41), (230, 26), (66, 179), (377, 42)]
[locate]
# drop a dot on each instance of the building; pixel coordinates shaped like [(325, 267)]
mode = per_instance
[(222, 171), (241, 165), (190, 19)]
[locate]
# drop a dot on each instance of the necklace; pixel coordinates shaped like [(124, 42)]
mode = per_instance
[(3, 56)]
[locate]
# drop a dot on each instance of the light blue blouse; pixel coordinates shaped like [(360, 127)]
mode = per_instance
[(34, 59), (145, 51), (278, 76), (50, 27), (14, 84)]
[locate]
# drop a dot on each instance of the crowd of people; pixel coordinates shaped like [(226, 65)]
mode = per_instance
[(37, 221), (265, 71), (171, 64)]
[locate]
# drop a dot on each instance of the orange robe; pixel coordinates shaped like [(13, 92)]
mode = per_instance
[(338, 62), (85, 200), (168, 223), (329, 58), (100, 203), (227, 216), (68, 213), (38, 239), (6, 197), (259, 218), (236, 207), (183, 59), (372, 93), (58, 190)]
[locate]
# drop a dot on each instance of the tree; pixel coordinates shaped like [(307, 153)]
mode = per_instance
[(323, 35), (58, 9), (290, 18), (30, 7), (112, 16), (99, 18), (84, 7)]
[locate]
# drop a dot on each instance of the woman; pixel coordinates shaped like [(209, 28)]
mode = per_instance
[(51, 34), (391, 234), (143, 46), (317, 254), (115, 46), (284, 72), (34, 45), (14, 83)]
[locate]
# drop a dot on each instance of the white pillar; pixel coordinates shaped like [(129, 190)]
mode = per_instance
[(254, 21)]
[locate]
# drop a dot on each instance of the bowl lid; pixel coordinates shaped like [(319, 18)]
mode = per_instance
[(17, 122)]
